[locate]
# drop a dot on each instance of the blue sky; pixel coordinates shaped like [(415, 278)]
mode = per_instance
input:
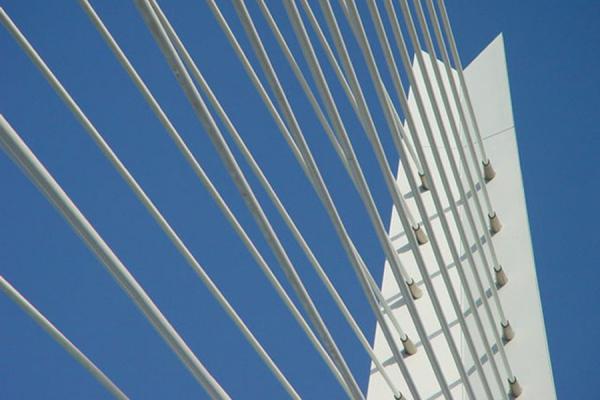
[(553, 62)]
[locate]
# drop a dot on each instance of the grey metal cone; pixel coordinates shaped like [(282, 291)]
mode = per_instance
[(495, 224), (488, 171), (501, 278), (415, 290), (420, 234), (409, 346), (515, 387), (424, 181), (507, 331)]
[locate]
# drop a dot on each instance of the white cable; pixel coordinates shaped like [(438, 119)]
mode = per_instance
[(38, 174), (463, 84), (343, 81), (315, 104), (147, 202), (282, 127), (404, 338), (386, 308), (463, 121), (455, 170), (199, 171), (461, 231), (408, 67), (309, 93), (332, 110), (264, 182), (245, 190), (354, 19), (439, 208), (462, 191), (332, 23), (61, 339), (392, 67), (325, 198), (447, 232)]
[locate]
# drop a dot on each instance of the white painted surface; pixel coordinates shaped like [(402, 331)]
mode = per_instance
[(528, 353)]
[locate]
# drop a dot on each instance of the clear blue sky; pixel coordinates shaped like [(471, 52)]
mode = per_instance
[(553, 61)]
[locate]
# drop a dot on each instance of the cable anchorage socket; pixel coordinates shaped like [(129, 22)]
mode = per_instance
[(424, 181), (488, 170), (507, 331), (415, 290), (420, 234), (515, 387), (501, 278), (409, 346), (495, 224)]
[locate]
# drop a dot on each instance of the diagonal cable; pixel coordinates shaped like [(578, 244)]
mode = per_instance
[(500, 274), (463, 84), (462, 191), (60, 338), (37, 173), (245, 190), (145, 200)]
